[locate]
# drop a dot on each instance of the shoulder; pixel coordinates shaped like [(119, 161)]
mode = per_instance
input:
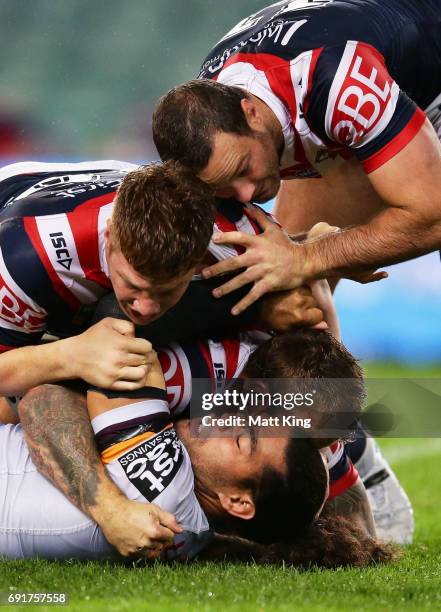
[(21, 312)]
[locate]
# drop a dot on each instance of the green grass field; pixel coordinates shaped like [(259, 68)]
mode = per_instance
[(412, 583)]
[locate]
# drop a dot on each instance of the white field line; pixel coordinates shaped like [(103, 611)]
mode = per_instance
[(402, 452)]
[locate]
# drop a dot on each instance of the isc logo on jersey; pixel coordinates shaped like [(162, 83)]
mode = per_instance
[(362, 98), (152, 465)]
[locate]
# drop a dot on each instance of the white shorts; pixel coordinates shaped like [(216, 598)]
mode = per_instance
[(36, 520)]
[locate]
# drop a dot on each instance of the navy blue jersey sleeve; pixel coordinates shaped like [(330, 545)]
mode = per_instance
[(23, 318)]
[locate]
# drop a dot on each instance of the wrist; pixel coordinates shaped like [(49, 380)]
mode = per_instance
[(109, 504), (65, 358), (313, 268)]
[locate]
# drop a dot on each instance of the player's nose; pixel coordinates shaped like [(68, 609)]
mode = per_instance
[(243, 190), (146, 307)]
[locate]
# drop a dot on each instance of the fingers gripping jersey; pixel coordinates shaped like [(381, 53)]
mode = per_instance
[(149, 464), (223, 360), (337, 74)]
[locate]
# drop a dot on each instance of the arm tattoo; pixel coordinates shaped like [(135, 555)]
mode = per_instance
[(61, 442), (354, 505)]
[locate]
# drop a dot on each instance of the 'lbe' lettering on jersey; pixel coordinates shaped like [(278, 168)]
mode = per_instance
[(62, 253), (152, 465), (362, 98)]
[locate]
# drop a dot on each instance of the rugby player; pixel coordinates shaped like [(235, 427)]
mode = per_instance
[(253, 478), (64, 242), (343, 94)]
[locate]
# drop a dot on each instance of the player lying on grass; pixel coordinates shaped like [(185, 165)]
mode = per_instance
[(56, 445), (243, 486), (41, 196)]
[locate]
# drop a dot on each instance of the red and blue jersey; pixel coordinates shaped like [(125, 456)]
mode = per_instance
[(52, 262), (344, 77), (53, 265)]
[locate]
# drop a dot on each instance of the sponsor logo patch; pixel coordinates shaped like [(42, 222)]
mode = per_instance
[(60, 245), (152, 465), (19, 315), (362, 97)]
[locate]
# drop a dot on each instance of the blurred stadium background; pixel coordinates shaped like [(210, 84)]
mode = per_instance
[(79, 81)]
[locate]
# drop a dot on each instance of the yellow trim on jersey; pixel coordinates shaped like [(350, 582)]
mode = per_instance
[(115, 451)]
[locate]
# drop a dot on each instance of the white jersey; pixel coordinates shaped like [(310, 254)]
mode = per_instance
[(149, 463), (37, 520)]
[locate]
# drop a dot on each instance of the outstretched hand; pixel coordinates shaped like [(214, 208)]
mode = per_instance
[(269, 260)]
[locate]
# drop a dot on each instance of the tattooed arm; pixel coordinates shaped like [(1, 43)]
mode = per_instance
[(354, 505), (62, 446)]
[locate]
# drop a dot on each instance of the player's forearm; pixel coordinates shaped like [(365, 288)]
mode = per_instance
[(30, 366), (393, 236), (62, 446)]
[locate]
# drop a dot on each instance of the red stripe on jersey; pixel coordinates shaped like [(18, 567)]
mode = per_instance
[(334, 447), (225, 225), (278, 73), (207, 356), (84, 226), (231, 348), (97, 202), (31, 229), (366, 92), (344, 483), (396, 144), (256, 227), (4, 348), (174, 376)]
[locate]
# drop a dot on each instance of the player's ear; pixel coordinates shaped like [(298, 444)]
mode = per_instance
[(240, 504), (108, 238), (252, 114)]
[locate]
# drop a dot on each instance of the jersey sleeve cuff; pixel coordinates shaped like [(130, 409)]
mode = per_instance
[(398, 143), (119, 416), (344, 483)]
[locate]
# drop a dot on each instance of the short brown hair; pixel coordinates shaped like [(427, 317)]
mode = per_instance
[(162, 220), (188, 117)]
